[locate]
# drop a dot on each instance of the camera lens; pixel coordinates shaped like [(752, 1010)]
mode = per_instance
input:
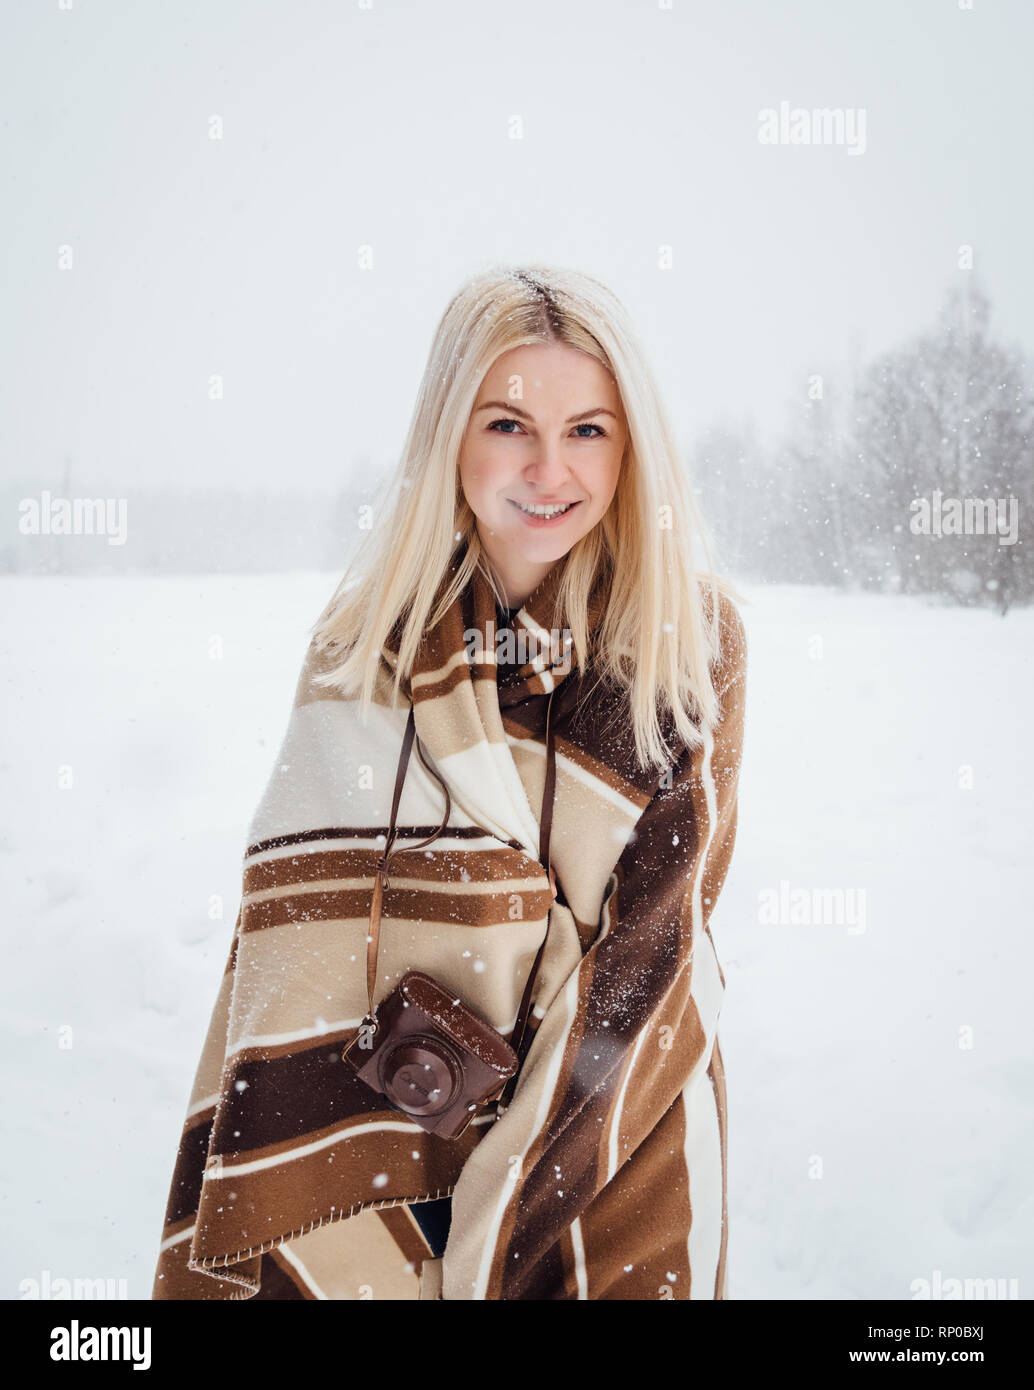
[(421, 1075)]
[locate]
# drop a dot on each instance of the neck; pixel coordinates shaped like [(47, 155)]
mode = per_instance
[(516, 578)]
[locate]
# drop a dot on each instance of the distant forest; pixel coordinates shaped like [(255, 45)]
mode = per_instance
[(915, 477)]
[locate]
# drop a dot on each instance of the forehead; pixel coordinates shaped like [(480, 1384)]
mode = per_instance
[(538, 374)]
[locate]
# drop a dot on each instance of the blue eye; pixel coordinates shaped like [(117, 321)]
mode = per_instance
[(585, 425)]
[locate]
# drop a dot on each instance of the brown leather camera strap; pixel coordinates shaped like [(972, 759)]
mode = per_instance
[(380, 878), (389, 849)]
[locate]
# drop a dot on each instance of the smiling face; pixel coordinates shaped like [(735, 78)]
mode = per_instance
[(540, 469)]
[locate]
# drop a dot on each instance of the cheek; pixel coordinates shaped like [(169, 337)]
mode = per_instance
[(483, 475), (489, 469)]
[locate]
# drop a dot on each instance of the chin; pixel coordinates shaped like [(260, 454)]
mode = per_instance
[(539, 549)]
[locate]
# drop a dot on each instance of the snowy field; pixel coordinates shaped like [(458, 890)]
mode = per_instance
[(879, 1062)]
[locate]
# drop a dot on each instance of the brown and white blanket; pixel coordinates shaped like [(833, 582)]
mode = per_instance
[(605, 1178)]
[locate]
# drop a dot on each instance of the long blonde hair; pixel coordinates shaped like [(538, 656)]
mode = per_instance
[(660, 630)]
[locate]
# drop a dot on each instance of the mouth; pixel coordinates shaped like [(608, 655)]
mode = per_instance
[(538, 514)]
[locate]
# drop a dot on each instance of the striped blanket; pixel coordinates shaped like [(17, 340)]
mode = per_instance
[(605, 1178)]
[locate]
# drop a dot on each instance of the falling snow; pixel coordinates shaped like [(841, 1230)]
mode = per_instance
[(850, 778)]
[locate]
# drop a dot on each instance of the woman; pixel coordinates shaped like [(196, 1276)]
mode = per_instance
[(539, 492)]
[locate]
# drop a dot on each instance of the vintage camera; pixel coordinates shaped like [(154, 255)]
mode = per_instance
[(430, 1057)]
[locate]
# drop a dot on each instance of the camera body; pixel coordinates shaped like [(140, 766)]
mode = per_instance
[(430, 1057)]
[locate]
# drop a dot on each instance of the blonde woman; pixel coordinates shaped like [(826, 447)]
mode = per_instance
[(531, 616)]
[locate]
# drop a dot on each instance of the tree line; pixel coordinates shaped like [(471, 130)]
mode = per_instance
[(913, 475)]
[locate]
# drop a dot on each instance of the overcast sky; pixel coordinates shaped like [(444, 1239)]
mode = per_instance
[(388, 125)]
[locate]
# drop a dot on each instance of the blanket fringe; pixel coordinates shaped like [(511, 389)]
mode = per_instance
[(213, 1262)]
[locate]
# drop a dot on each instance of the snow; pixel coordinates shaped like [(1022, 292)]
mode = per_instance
[(845, 1045), (867, 1148)]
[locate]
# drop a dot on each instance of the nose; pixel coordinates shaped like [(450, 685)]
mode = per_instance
[(547, 471)]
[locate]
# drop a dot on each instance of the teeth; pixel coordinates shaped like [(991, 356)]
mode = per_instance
[(544, 511)]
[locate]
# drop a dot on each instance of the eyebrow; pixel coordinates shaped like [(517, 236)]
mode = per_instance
[(571, 419)]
